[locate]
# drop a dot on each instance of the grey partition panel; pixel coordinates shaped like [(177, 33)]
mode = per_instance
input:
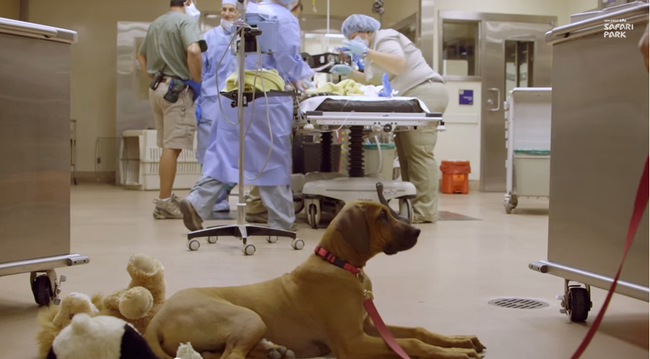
[(35, 143)]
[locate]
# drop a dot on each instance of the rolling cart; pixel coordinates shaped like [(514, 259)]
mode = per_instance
[(600, 143), (528, 142), (35, 220)]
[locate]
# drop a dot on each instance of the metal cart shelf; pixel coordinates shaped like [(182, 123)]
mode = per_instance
[(599, 143), (38, 143)]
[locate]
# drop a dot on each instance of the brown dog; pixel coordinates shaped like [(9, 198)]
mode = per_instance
[(315, 310)]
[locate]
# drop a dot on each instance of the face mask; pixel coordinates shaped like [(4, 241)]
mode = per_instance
[(363, 41), (192, 11), (227, 25)]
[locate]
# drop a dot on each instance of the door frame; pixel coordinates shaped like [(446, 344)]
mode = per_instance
[(482, 47)]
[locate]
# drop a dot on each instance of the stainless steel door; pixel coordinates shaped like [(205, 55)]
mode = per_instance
[(514, 54)]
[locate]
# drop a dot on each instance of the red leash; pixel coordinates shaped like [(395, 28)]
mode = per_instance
[(368, 303), (640, 204), (383, 330)]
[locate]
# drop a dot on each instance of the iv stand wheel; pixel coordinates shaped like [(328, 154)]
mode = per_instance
[(406, 206), (272, 239), (249, 249), (193, 245), (213, 240), (298, 244), (511, 202)]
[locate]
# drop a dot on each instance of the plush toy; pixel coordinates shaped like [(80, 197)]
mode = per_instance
[(53, 319), (136, 304), (140, 301), (100, 337)]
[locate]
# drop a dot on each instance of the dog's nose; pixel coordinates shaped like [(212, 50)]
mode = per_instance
[(416, 232)]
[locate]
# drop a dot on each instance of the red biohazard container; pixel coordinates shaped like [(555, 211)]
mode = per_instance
[(455, 177)]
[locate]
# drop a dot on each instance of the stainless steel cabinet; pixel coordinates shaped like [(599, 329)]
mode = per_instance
[(599, 141), (35, 147)]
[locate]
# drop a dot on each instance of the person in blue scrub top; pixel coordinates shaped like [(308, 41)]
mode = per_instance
[(218, 64), (220, 168)]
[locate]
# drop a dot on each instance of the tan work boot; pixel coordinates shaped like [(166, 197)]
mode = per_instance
[(167, 209)]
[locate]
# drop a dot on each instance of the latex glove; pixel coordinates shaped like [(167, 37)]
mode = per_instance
[(356, 47), (341, 70), (301, 85), (309, 85)]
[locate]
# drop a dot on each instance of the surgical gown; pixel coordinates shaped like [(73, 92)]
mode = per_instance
[(221, 159), (214, 74)]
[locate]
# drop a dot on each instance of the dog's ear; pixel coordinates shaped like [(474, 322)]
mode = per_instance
[(352, 224)]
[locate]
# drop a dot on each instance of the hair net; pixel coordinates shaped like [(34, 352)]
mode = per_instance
[(229, 2), (357, 23)]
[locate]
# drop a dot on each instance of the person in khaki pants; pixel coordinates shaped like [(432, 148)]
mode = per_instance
[(171, 54), (390, 52)]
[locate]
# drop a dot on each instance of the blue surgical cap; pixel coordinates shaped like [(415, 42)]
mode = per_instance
[(357, 23)]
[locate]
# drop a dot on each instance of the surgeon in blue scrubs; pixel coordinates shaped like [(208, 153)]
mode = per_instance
[(218, 64), (221, 170)]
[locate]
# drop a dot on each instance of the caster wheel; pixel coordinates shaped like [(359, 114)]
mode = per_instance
[(511, 204), (213, 240), (578, 304), (406, 209), (272, 239), (249, 249), (42, 289), (298, 244), (312, 216), (193, 245)]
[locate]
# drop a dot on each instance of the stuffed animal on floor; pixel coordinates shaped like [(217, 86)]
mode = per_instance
[(136, 304), (53, 319), (100, 337), (140, 301)]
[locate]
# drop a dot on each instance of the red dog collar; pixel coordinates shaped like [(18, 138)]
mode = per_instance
[(328, 256)]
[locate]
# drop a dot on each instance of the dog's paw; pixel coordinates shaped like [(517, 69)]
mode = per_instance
[(280, 352), (467, 342), (458, 353)]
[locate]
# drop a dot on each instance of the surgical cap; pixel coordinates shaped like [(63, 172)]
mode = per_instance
[(229, 2), (359, 23)]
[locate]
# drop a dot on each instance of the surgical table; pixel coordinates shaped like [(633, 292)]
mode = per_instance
[(327, 191)]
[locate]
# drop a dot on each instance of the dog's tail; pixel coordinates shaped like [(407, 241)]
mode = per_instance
[(154, 339)]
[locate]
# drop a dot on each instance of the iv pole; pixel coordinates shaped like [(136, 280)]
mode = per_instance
[(242, 229)]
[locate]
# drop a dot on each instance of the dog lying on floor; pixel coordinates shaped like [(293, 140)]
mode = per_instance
[(315, 310)]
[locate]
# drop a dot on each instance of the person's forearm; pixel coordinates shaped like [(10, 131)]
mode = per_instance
[(357, 76), (143, 63), (394, 64), (195, 63)]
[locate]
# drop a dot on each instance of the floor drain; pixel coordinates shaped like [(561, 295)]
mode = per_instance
[(518, 303)]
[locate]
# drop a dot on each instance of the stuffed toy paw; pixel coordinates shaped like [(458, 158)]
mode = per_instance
[(146, 293), (101, 337)]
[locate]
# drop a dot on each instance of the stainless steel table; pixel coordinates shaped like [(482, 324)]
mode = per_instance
[(35, 161)]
